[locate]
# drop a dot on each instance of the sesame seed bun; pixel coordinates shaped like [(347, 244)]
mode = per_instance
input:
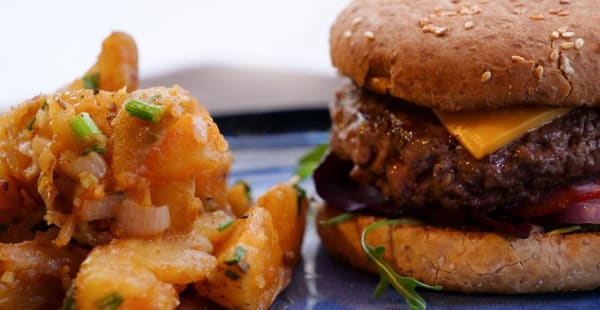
[(454, 56), (470, 261)]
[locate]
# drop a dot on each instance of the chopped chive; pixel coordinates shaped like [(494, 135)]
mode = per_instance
[(95, 149), (145, 110), (225, 225), (84, 127), (301, 197), (232, 275), (110, 302), (69, 301), (564, 230), (337, 219), (91, 81), (30, 125), (247, 188), (237, 257)]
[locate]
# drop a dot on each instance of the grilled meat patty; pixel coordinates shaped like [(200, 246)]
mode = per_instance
[(407, 153)]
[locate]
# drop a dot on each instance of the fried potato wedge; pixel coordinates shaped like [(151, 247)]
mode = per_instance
[(116, 67), (253, 264)]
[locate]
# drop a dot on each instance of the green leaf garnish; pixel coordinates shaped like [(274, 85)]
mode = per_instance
[(337, 219), (91, 81), (30, 124), (85, 128), (225, 225), (247, 188), (564, 230), (110, 302), (237, 257), (232, 275), (387, 276), (69, 301), (145, 110), (310, 161)]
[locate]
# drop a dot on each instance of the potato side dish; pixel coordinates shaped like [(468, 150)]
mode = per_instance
[(111, 199)]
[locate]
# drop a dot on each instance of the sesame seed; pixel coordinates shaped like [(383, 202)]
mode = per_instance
[(517, 58), (428, 28), (563, 13), (439, 31), (567, 45), (567, 34), (579, 43), (486, 76), (553, 11), (565, 66), (357, 21), (424, 21), (469, 24), (537, 17), (554, 55), (520, 10), (564, 1), (555, 35), (369, 35), (347, 34), (539, 72), (563, 29)]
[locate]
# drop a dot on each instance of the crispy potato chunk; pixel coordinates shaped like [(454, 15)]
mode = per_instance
[(36, 274), (116, 67), (142, 274), (253, 266)]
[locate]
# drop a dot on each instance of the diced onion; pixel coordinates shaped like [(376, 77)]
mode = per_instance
[(104, 208), (584, 212), (92, 163), (138, 221)]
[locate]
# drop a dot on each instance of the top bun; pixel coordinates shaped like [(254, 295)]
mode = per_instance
[(456, 55)]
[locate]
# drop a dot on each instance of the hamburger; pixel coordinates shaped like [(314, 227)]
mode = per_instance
[(478, 121)]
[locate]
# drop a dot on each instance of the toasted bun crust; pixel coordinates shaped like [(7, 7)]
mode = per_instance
[(471, 261), (454, 56)]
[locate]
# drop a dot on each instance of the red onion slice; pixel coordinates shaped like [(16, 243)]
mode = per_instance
[(584, 212)]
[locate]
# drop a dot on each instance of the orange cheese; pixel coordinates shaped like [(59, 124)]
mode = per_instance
[(484, 132)]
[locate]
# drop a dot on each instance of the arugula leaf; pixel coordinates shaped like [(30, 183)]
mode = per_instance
[(337, 219), (387, 276), (310, 161)]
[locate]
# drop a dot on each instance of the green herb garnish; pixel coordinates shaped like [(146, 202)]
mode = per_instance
[(337, 219), (564, 230), (30, 124), (387, 276), (91, 81), (85, 128), (94, 148), (237, 257), (69, 301), (247, 188), (225, 225), (110, 302), (310, 161), (232, 275), (145, 110), (301, 197)]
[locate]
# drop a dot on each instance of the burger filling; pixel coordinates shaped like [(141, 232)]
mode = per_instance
[(393, 158)]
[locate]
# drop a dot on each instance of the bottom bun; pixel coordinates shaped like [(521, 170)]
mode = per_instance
[(472, 261)]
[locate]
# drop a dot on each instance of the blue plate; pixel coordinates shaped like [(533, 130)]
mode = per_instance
[(264, 158)]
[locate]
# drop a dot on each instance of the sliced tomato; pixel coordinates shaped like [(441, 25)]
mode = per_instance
[(560, 199)]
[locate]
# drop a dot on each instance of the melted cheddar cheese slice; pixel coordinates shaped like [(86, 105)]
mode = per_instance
[(484, 132)]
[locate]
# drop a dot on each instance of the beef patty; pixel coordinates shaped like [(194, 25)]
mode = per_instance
[(407, 153)]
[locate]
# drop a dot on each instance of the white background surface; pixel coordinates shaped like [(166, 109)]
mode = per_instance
[(46, 44)]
